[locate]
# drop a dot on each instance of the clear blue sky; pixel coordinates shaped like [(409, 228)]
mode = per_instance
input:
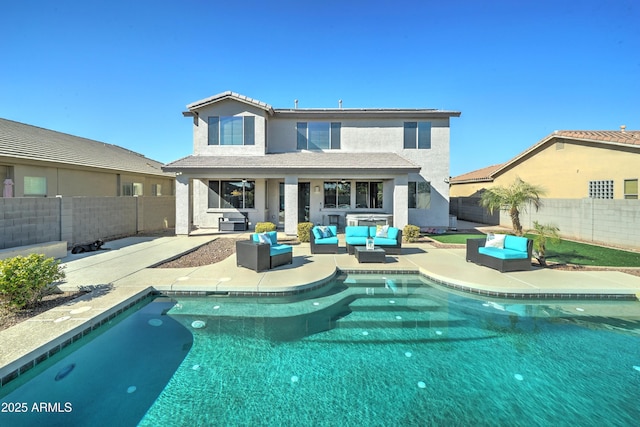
[(123, 71)]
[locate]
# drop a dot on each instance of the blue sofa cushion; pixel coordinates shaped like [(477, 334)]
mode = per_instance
[(327, 241), (516, 243), (392, 233), (503, 253), (357, 231), (280, 249), (316, 233), (356, 241), (384, 241)]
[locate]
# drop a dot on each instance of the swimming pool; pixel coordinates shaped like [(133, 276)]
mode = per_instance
[(372, 350)]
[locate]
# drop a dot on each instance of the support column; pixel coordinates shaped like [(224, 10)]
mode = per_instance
[(291, 205), (183, 207), (401, 201)]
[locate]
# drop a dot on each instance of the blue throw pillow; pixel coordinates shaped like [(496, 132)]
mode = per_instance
[(325, 231)]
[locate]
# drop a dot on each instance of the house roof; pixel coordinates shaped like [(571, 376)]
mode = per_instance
[(321, 112), (230, 95), (306, 161), (22, 141), (621, 138)]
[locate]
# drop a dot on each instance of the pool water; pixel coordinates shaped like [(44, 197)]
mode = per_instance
[(372, 350)]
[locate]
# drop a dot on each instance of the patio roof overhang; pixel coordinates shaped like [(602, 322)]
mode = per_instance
[(303, 164)]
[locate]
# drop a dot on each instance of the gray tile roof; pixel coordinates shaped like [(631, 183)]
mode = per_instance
[(232, 95), (325, 112), (300, 160), (18, 140)]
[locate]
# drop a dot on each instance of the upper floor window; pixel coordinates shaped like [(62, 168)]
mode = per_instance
[(630, 188), (318, 135), (417, 135), (232, 194), (35, 186), (601, 189), (420, 195), (369, 195), (232, 130), (156, 189)]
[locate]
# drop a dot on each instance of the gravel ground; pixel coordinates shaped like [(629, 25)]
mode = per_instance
[(209, 253)]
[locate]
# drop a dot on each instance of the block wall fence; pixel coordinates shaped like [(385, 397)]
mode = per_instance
[(28, 220), (602, 221)]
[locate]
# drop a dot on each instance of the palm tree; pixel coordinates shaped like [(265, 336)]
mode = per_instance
[(544, 233), (512, 199)]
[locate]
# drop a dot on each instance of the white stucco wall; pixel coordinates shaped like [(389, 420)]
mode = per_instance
[(387, 135), (229, 108)]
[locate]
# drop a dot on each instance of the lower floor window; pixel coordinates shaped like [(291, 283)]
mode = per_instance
[(35, 186), (419, 195), (369, 195), (630, 188), (132, 189), (337, 195), (232, 194)]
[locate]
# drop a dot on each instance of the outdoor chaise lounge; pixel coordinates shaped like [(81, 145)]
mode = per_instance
[(500, 252), (263, 252)]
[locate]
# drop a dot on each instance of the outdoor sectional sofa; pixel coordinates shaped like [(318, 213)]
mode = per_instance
[(512, 255), (356, 235), (324, 240), (263, 252)]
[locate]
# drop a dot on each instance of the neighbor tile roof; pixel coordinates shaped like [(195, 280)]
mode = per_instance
[(18, 140), (631, 137), (483, 174), (302, 160)]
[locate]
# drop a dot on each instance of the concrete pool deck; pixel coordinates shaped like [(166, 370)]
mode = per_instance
[(124, 274)]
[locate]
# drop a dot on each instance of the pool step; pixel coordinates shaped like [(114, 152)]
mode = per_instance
[(391, 303), (398, 319), (367, 335)]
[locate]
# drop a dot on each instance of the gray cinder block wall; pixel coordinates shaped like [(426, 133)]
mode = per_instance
[(601, 221), (27, 221)]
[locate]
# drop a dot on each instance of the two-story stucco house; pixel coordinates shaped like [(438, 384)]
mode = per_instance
[(320, 165)]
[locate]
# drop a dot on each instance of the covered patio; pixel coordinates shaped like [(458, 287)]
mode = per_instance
[(289, 188)]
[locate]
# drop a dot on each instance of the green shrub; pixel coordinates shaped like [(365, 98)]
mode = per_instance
[(264, 227), (410, 233), (25, 280), (304, 228)]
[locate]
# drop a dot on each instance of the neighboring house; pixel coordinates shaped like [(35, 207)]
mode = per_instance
[(568, 165), (590, 180), (294, 165), (37, 162)]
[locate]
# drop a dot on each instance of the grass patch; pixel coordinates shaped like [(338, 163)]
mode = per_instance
[(567, 252), (454, 238)]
